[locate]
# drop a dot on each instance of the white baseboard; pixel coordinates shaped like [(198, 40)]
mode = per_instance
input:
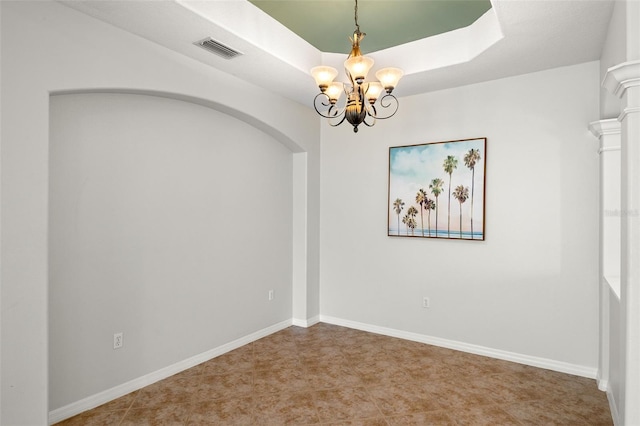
[(613, 407), (98, 399), (603, 385), (549, 364), (306, 323)]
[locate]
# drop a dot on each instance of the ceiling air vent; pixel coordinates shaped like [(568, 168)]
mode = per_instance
[(218, 48)]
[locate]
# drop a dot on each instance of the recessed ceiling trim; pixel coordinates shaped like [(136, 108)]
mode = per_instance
[(217, 48)]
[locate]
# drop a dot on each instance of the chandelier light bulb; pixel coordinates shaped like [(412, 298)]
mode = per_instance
[(358, 67), (334, 91), (324, 76), (373, 91), (389, 78)]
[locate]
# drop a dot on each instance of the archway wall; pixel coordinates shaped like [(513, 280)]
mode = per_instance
[(168, 222)]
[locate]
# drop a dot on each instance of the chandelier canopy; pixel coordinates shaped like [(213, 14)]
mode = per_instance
[(359, 103)]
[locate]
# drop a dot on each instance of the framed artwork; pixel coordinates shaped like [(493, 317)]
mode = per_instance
[(437, 190)]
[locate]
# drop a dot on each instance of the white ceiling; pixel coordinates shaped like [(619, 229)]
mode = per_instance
[(514, 37)]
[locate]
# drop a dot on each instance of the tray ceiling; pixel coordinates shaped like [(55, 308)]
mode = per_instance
[(510, 38), (327, 24)]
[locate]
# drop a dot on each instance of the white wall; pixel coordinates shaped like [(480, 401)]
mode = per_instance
[(169, 222), (622, 44), (620, 330), (613, 53), (615, 342), (82, 54), (532, 287)]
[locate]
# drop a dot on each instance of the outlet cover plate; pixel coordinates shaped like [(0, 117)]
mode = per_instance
[(117, 340)]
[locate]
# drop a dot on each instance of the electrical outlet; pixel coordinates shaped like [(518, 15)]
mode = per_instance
[(270, 294), (117, 340), (425, 302)]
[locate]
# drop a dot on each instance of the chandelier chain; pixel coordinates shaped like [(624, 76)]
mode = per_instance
[(356, 18)]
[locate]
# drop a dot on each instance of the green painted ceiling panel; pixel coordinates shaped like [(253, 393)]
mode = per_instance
[(328, 24)]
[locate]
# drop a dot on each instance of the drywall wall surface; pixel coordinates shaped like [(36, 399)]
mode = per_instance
[(614, 52), (314, 159), (169, 222), (633, 30), (616, 363), (82, 54), (0, 209), (531, 287)]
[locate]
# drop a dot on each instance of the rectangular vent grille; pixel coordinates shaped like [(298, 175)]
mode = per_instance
[(217, 48)]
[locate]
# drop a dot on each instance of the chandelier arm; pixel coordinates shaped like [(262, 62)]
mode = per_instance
[(371, 112), (344, 117), (331, 112), (371, 108), (373, 123), (350, 77), (387, 101)]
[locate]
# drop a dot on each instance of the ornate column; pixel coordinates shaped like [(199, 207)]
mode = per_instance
[(623, 80), (608, 132)]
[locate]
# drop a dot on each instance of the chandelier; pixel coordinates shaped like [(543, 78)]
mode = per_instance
[(359, 103)]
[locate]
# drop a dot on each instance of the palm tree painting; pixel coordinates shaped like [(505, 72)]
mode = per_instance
[(421, 200), (419, 173), (429, 205), (411, 223), (461, 193), (450, 164), (409, 220), (470, 160), (406, 220), (398, 205), (436, 189)]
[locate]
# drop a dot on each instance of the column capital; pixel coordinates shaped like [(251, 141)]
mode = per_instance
[(621, 77), (605, 127), (608, 133)]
